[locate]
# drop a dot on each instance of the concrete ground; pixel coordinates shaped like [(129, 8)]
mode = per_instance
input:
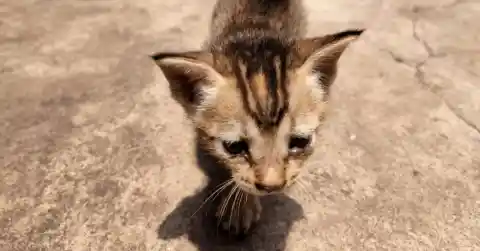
[(95, 155)]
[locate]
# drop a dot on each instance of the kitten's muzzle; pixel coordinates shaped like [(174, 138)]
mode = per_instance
[(269, 188)]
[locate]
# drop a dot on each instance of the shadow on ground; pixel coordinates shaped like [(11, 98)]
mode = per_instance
[(278, 215)]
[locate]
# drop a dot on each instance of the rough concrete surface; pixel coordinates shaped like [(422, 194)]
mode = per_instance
[(95, 155)]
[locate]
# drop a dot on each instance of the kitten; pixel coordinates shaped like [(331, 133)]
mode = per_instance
[(257, 93)]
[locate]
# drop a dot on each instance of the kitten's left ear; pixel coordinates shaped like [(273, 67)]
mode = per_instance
[(190, 76), (320, 55)]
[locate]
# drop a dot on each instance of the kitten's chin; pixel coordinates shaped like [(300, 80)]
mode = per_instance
[(252, 191), (248, 189)]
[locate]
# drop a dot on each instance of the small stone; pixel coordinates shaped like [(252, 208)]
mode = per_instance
[(353, 137)]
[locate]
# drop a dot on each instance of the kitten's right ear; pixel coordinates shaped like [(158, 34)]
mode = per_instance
[(320, 55), (190, 76)]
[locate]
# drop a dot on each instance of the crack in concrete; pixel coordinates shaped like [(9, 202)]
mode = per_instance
[(419, 9), (397, 58), (420, 75), (430, 51)]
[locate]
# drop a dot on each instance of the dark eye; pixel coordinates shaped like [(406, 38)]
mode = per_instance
[(299, 143), (236, 147)]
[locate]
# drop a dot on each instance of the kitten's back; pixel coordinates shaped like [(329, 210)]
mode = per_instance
[(254, 19)]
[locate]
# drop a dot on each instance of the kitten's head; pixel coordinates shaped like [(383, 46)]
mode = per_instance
[(259, 104)]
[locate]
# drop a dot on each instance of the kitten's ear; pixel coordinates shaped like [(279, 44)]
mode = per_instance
[(319, 55), (191, 76)]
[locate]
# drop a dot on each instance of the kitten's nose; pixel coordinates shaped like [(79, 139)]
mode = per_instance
[(269, 188)]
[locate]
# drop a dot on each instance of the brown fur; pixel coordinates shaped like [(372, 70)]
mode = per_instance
[(258, 81)]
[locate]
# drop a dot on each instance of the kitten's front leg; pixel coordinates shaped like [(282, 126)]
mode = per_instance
[(238, 212)]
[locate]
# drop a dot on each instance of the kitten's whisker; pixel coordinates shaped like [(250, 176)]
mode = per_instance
[(304, 182), (244, 200), (214, 197), (298, 188), (303, 189), (241, 202), (233, 207), (215, 193), (292, 187), (225, 202)]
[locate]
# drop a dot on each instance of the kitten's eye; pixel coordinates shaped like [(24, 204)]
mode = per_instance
[(235, 147), (299, 143)]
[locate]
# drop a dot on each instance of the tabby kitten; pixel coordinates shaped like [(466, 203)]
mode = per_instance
[(257, 93)]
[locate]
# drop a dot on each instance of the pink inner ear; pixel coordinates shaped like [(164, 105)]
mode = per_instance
[(320, 55), (331, 46), (187, 75), (184, 78)]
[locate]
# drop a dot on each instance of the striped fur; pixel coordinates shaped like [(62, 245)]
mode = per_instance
[(260, 80)]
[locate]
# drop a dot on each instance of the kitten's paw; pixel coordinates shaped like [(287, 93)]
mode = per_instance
[(241, 217)]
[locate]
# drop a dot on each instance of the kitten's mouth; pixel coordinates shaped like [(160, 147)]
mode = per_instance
[(260, 190)]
